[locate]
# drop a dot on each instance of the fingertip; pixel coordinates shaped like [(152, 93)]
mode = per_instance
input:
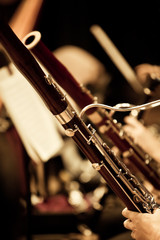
[(124, 211), (124, 223), (125, 118)]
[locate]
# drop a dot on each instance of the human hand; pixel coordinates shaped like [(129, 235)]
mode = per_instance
[(142, 136), (0, 104), (144, 70), (143, 226), (135, 129)]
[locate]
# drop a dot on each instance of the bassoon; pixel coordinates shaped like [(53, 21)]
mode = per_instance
[(101, 119), (125, 185)]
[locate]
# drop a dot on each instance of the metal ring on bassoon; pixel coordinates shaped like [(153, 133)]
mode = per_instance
[(66, 116)]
